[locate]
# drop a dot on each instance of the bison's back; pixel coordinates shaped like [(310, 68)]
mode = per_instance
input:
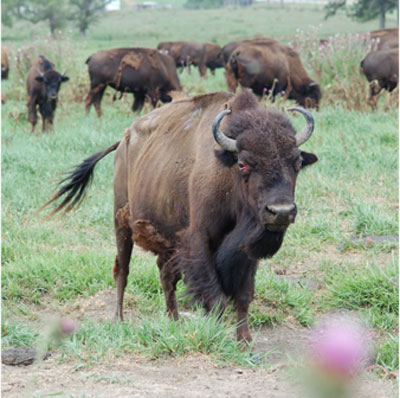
[(164, 150)]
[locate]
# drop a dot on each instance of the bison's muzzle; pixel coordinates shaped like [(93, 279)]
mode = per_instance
[(278, 217)]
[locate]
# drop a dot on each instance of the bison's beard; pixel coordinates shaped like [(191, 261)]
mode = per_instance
[(263, 243), (236, 257)]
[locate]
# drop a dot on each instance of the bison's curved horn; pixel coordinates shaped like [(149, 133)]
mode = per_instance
[(227, 143), (63, 74), (40, 72), (307, 131)]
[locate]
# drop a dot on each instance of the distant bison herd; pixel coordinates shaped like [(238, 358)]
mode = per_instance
[(264, 65)]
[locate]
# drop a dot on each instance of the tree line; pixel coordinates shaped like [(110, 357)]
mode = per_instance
[(85, 12), (55, 12)]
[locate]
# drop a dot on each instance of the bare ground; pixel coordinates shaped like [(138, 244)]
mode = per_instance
[(188, 377)]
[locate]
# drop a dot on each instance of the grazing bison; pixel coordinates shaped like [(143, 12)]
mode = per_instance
[(213, 57), (141, 71), (207, 184), (43, 84), (185, 53), (381, 68), (5, 62), (268, 65)]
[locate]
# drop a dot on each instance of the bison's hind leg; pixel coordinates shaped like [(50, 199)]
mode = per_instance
[(94, 97), (124, 250)]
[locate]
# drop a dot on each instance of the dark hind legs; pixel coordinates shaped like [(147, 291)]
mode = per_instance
[(169, 277), (124, 250)]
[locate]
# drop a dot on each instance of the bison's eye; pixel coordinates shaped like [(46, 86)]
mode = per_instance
[(243, 167), (298, 164)]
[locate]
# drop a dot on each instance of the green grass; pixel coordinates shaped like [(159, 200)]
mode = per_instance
[(351, 192)]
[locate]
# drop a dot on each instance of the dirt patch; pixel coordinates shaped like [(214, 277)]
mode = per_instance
[(136, 377)]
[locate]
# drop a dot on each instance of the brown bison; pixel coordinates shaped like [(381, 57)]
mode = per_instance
[(268, 65), (185, 53), (5, 62), (229, 48), (141, 71), (213, 57), (387, 38), (43, 84), (381, 68), (207, 184)]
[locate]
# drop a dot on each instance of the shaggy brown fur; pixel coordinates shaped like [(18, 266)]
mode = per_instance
[(202, 210)]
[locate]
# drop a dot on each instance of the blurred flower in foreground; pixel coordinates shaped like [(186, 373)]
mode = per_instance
[(339, 348), (67, 326)]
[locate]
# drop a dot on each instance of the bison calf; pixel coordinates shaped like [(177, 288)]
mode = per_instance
[(43, 84)]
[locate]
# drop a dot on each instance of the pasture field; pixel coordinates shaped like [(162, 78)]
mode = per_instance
[(331, 259)]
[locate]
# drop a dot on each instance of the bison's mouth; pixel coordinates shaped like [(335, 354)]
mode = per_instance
[(276, 227)]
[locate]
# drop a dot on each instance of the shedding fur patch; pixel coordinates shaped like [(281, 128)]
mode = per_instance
[(131, 59), (122, 216), (149, 238), (115, 268)]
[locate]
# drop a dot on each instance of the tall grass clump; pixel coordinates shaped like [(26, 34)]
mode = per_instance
[(373, 290)]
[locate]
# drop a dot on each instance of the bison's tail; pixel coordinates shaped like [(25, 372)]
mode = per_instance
[(74, 185)]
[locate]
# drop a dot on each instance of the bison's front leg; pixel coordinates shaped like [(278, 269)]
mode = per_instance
[(32, 115), (169, 277), (243, 300), (196, 261), (236, 273)]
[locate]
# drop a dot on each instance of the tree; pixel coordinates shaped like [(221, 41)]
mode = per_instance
[(364, 10), (9, 9), (85, 12), (53, 11)]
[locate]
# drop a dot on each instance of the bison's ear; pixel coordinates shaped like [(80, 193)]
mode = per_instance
[(39, 79), (308, 159), (64, 78)]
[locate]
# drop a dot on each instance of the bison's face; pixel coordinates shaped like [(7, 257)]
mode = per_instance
[(268, 161), (312, 96), (52, 81)]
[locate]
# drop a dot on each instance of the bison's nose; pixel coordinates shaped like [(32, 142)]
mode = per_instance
[(280, 214)]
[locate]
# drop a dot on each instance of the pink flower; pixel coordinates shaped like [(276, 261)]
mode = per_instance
[(339, 345), (67, 326)]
